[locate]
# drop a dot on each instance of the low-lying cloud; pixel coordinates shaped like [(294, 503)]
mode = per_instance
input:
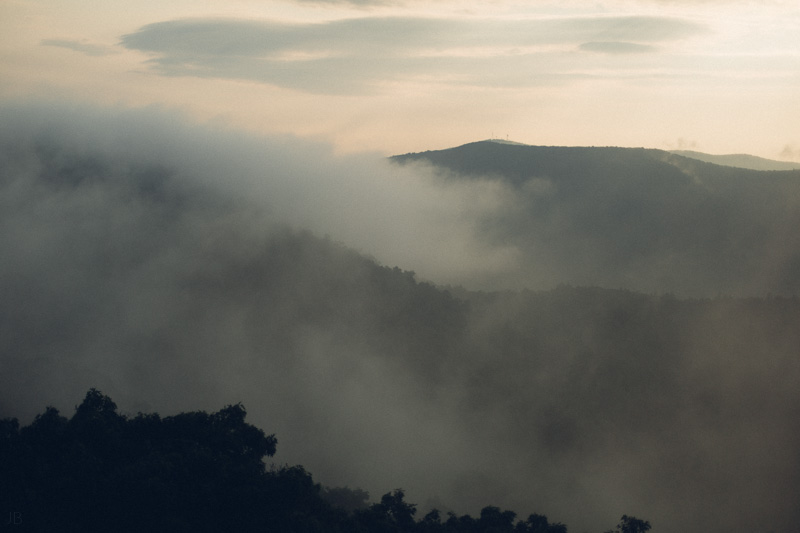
[(89, 49), (614, 47), (399, 216), (163, 263)]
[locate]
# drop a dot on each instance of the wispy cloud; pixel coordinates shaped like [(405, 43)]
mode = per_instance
[(357, 3), (353, 54), (80, 46), (614, 47), (790, 151)]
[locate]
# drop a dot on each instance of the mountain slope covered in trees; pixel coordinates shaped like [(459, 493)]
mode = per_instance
[(169, 281), (104, 471), (636, 218), (739, 160)]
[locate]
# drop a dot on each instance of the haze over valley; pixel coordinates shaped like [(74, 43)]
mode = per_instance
[(532, 265), (579, 332)]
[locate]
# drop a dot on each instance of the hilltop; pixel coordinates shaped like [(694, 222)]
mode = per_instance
[(739, 160), (637, 218)]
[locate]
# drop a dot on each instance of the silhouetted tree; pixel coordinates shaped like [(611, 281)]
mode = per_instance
[(631, 524), (399, 512), (346, 498), (431, 522), (196, 472), (537, 523), (100, 471), (493, 520), (460, 524)]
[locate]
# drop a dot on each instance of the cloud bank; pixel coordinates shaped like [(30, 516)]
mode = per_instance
[(89, 49), (396, 215), (164, 263), (354, 55), (614, 47)]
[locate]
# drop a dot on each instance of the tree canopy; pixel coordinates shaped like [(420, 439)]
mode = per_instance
[(103, 471)]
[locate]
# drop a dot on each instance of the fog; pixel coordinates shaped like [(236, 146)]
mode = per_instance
[(335, 60), (136, 251), (178, 266), (398, 217)]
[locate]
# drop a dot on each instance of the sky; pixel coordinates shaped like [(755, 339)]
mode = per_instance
[(388, 76)]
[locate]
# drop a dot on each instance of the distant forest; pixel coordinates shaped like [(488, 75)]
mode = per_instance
[(642, 219), (640, 356), (196, 472)]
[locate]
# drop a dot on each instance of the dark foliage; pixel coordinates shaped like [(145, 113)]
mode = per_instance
[(345, 498), (103, 471), (631, 524)]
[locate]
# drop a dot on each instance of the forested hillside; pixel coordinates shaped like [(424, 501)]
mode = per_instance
[(739, 160), (168, 279), (635, 218), (103, 471)]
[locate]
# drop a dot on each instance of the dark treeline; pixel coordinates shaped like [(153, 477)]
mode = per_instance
[(103, 471), (681, 397)]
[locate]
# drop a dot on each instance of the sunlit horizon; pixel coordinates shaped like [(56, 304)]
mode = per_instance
[(717, 77)]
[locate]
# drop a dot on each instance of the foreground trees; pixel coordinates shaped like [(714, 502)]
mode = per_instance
[(100, 470), (198, 472), (631, 524)]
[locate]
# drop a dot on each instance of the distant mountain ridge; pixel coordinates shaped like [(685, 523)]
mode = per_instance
[(745, 161), (742, 161), (739, 160), (506, 141), (517, 162), (643, 219)]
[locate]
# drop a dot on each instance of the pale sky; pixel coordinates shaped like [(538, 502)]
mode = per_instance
[(718, 76)]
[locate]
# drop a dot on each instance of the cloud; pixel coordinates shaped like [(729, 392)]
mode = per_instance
[(298, 183), (685, 144), (355, 3), (165, 263), (790, 151), (89, 49), (357, 53), (617, 48)]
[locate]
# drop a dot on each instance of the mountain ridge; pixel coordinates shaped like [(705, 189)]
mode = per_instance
[(747, 161), (742, 161), (639, 218)]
